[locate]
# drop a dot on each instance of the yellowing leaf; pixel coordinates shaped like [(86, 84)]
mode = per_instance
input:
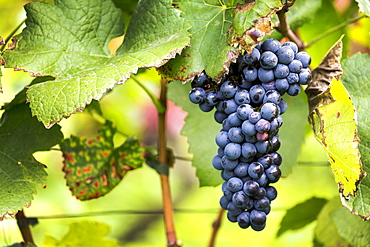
[(335, 128)]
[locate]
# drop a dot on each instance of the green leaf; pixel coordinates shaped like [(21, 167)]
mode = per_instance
[(201, 130), (78, 56), (94, 167), (326, 231), (364, 6), (351, 228), (83, 233), (295, 118), (356, 79), (211, 33), (21, 174), (301, 215), (152, 161), (332, 118)]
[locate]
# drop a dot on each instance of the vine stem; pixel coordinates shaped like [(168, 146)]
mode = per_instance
[(162, 156), (215, 226), (336, 28), (284, 27), (24, 227)]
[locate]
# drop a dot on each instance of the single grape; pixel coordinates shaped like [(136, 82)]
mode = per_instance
[(304, 76), (285, 54), (269, 85), (242, 97), (255, 170), (269, 111), (235, 184), (224, 202), (272, 96), (250, 73), (253, 57), (233, 210), (295, 66), (219, 116), (294, 89), (229, 106), (197, 95), (201, 81), (262, 136), (257, 217), (248, 128), (265, 161), (282, 85), (228, 89), (304, 57), (254, 117), (241, 170), (243, 220), (263, 147), (227, 193), (271, 193), (231, 217), (276, 158), (250, 139), (212, 98), (222, 139), (235, 134), (249, 150), (262, 125), (263, 180), (292, 78), (273, 173), (283, 105), (216, 162), (275, 144), (292, 45), (262, 204), (270, 45), (268, 60), (234, 120), (265, 75), (261, 193), (257, 92), (251, 188), (240, 199), (244, 110), (281, 71), (226, 125), (228, 164), (227, 174), (243, 83), (205, 107)]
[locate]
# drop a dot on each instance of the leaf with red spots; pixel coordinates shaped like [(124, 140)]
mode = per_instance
[(94, 167)]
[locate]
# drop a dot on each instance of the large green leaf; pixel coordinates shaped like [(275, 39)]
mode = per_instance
[(212, 32), (333, 120), (69, 40), (83, 233), (301, 215), (21, 174), (94, 167), (201, 130), (356, 79)]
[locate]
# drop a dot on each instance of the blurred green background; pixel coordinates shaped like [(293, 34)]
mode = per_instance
[(131, 109)]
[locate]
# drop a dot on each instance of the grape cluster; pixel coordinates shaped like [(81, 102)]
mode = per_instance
[(249, 106)]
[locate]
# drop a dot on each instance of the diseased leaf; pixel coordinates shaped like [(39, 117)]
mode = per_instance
[(356, 79), (364, 6), (21, 174), (77, 54), (211, 33), (201, 130), (94, 167), (332, 118), (301, 215), (83, 233)]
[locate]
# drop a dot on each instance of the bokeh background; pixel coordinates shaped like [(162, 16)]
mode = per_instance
[(139, 195)]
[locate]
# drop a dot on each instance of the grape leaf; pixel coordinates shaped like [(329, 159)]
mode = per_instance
[(356, 79), (332, 118), (301, 215), (83, 233), (77, 54), (201, 130), (21, 174), (211, 33), (94, 167), (364, 6), (292, 132), (326, 231)]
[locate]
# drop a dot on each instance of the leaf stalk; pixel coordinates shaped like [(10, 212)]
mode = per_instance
[(24, 227)]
